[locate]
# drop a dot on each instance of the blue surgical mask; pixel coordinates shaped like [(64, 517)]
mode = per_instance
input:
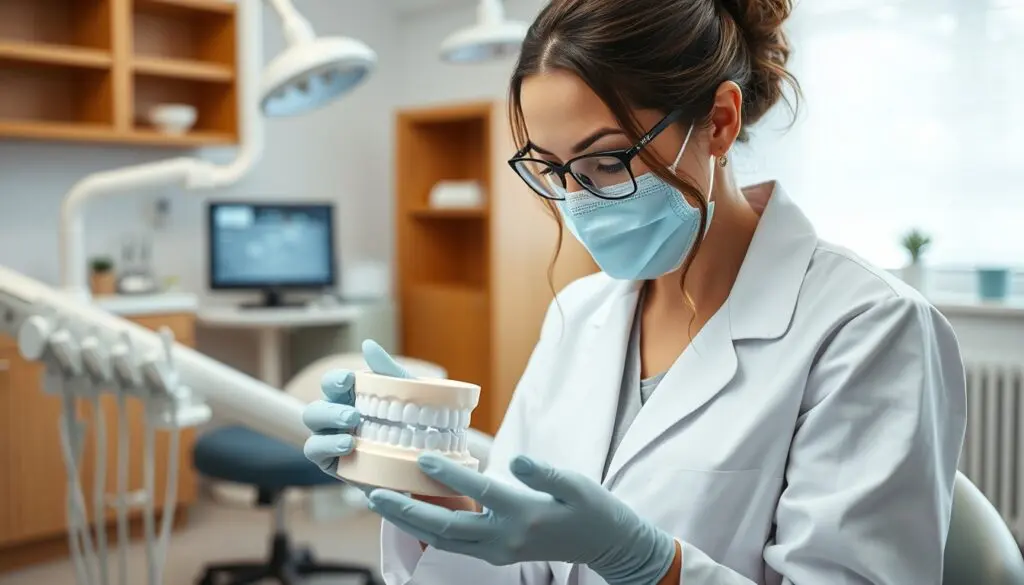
[(640, 237)]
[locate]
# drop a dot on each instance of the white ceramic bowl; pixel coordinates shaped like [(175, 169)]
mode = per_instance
[(175, 119)]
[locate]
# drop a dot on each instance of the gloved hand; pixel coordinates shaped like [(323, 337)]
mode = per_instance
[(333, 420), (563, 516)]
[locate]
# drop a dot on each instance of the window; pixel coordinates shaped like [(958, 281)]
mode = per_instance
[(913, 117)]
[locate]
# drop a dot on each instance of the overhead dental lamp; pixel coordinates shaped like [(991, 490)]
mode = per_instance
[(311, 73), (492, 37)]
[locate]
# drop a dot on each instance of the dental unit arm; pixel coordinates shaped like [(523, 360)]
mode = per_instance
[(48, 323), (87, 352)]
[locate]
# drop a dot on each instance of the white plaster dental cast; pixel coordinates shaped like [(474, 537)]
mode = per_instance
[(402, 418)]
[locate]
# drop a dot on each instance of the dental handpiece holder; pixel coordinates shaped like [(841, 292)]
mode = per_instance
[(84, 365), (402, 418)]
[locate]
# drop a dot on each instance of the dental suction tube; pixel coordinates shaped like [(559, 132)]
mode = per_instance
[(27, 306)]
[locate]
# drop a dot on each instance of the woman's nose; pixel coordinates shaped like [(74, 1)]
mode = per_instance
[(572, 185)]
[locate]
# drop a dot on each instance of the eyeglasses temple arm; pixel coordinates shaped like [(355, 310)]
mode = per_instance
[(654, 132)]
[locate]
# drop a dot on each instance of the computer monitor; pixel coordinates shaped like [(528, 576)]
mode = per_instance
[(271, 248)]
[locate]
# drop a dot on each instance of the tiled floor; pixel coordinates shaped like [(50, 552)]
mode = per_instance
[(217, 534)]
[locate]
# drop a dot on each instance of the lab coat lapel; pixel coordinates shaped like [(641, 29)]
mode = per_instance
[(697, 376), (773, 272), (592, 391)]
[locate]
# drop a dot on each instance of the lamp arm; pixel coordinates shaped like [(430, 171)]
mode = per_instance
[(189, 173), (297, 29), (490, 12)]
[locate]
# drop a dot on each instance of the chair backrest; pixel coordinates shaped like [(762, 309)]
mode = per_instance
[(306, 384), (980, 548)]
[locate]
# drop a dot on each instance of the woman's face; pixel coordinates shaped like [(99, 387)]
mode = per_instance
[(565, 119)]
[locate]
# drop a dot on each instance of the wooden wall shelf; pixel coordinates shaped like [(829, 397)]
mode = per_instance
[(12, 52), (189, 6), (438, 213), (182, 69), (90, 70)]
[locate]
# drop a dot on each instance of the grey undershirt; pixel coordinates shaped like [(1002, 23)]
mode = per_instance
[(635, 391)]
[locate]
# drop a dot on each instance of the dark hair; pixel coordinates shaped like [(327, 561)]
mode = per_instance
[(663, 55)]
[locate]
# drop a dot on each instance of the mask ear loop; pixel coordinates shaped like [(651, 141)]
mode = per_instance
[(711, 175), (682, 149)]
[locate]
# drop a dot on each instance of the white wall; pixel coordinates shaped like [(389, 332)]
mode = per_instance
[(342, 153), (427, 80)]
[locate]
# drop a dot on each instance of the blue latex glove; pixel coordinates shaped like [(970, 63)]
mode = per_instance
[(334, 419), (563, 516)]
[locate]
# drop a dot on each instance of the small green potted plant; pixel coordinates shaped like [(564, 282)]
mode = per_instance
[(102, 279), (916, 243)]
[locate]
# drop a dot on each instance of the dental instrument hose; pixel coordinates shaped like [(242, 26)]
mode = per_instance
[(100, 489), (78, 527), (122, 487), (149, 481), (156, 551), (170, 496)]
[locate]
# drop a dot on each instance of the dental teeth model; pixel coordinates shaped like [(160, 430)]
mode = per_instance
[(401, 418)]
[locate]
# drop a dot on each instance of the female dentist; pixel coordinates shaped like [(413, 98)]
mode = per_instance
[(731, 400)]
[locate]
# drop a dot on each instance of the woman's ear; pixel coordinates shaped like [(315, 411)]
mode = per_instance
[(726, 117)]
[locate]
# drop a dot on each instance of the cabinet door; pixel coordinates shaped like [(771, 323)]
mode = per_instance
[(33, 480)]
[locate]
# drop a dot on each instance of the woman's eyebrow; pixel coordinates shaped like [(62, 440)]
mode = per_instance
[(590, 140), (582, 144)]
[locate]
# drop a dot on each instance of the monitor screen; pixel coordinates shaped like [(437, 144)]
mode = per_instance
[(265, 246)]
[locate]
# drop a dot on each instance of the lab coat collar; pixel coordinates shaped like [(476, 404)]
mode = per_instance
[(763, 298), (771, 276)]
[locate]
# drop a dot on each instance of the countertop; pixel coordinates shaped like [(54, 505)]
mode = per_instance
[(153, 304), (970, 306)]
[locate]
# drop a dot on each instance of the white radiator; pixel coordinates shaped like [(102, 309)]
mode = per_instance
[(993, 456)]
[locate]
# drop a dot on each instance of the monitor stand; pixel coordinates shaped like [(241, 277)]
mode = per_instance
[(272, 299)]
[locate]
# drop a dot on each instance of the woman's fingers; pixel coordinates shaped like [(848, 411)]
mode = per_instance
[(338, 387), (453, 525), (381, 362), (324, 450), (327, 416)]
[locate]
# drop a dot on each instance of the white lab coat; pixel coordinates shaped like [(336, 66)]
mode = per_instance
[(809, 435)]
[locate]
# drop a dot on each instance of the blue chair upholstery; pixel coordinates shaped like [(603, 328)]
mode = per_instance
[(242, 455)]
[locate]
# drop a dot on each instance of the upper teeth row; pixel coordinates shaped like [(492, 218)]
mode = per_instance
[(412, 414)]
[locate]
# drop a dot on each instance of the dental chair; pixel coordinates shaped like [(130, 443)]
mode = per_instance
[(244, 456), (980, 549)]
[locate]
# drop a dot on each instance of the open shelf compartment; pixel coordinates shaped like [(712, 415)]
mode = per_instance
[(61, 24), (445, 150), (55, 94), (89, 70), (184, 33), (215, 102)]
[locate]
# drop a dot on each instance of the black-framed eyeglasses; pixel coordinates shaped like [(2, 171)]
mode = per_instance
[(607, 175)]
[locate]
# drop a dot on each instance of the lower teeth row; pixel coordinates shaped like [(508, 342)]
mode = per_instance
[(412, 437)]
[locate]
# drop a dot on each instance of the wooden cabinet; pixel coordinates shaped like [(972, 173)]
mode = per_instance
[(33, 486), (89, 70), (474, 283)]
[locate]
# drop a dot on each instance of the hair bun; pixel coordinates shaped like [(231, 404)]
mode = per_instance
[(761, 24)]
